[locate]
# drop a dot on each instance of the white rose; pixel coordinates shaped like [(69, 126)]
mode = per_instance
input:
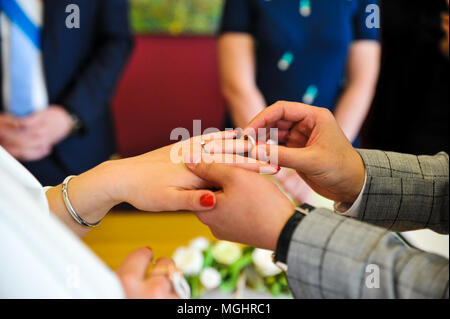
[(199, 243), (189, 260), (210, 278), (264, 264), (226, 253)]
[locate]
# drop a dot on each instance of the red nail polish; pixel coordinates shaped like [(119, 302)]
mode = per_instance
[(278, 169), (149, 248), (207, 200)]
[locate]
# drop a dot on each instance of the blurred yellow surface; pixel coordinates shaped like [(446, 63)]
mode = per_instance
[(122, 232)]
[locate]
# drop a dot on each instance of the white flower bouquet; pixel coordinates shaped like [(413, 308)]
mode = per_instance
[(229, 267)]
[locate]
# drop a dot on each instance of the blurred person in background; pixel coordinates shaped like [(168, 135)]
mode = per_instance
[(312, 51), (56, 81), (411, 107)]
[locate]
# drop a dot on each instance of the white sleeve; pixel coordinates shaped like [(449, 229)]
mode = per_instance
[(39, 256), (350, 209)]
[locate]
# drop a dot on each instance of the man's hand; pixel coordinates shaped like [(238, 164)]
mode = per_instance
[(316, 148), (34, 136), (8, 125), (49, 126), (249, 209), (17, 142)]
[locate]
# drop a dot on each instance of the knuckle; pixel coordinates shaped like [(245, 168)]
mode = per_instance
[(217, 234), (326, 113), (192, 200), (204, 218)]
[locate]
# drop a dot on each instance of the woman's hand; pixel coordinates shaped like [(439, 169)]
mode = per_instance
[(316, 148), (156, 181), (159, 180), (138, 283)]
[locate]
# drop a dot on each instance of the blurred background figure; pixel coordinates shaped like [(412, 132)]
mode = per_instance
[(411, 107), (317, 52), (57, 80)]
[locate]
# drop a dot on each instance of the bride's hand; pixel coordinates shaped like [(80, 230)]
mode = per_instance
[(159, 180), (156, 181)]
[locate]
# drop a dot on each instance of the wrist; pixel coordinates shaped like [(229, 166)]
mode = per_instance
[(288, 230), (111, 179), (357, 179), (92, 193)]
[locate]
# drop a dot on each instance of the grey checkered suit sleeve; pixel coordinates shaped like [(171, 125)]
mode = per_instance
[(405, 192), (331, 256)]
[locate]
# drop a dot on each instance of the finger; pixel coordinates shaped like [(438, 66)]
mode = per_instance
[(136, 264), (249, 164), (284, 125), (228, 146), (160, 287), (9, 122), (191, 200), (225, 135), (158, 280), (238, 161), (281, 111), (217, 174), (32, 121), (297, 139), (296, 158), (163, 266)]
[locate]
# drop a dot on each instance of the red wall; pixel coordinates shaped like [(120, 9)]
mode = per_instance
[(169, 82)]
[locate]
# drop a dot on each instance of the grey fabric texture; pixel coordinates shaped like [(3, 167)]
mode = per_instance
[(332, 256), (406, 192)]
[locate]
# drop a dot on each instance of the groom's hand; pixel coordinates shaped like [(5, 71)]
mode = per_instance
[(249, 209), (316, 148)]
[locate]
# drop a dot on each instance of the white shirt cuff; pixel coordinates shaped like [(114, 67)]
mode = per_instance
[(349, 209)]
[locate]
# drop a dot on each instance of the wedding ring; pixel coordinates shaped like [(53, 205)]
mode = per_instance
[(252, 140), (203, 144)]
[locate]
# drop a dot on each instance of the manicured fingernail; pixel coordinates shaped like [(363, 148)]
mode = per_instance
[(268, 170), (149, 248), (207, 200), (278, 168)]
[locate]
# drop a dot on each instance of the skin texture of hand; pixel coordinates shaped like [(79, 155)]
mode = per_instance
[(316, 148), (139, 283), (32, 138), (250, 209), (152, 182), (17, 142)]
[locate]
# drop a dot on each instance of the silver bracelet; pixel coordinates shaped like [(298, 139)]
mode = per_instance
[(70, 208)]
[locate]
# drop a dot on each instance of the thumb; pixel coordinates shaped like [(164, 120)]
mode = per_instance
[(135, 265), (295, 158), (193, 200), (216, 174)]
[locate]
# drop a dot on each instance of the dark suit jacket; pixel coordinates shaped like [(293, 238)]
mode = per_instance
[(82, 67)]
